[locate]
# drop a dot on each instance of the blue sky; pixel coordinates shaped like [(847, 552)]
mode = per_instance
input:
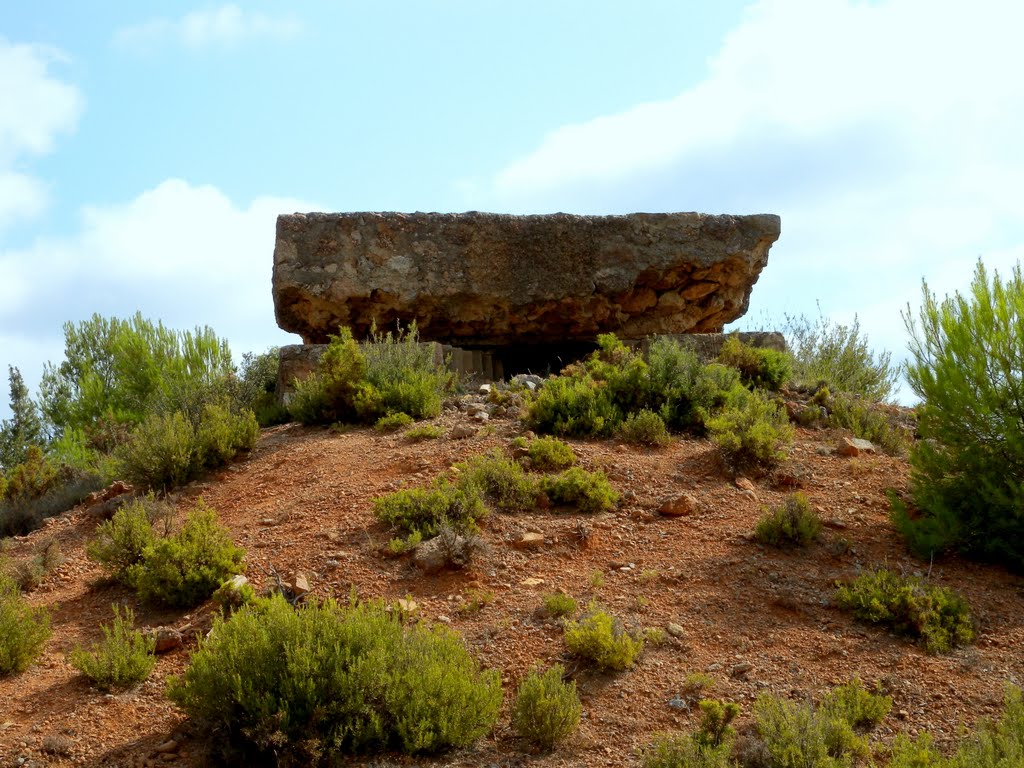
[(144, 154)]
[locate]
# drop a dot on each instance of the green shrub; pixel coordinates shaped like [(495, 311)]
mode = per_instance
[(32, 478), (587, 491), (548, 454), (673, 371), (299, 686), (28, 573), (546, 710), (121, 542), (998, 744), (916, 753), (393, 422), (967, 366), (329, 394), (424, 432), (161, 452), (426, 510), (232, 595), (185, 569), (799, 735), (255, 387), (124, 658), (404, 376), (936, 615), (857, 706), (683, 751), (753, 432), (792, 523), (715, 718), (870, 421), (716, 387), (20, 515), (24, 629), (838, 357), (560, 605), (573, 405), (644, 428), (758, 367), (23, 430), (600, 639), (222, 434), (499, 480)]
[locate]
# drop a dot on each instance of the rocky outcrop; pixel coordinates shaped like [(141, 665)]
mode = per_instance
[(480, 279)]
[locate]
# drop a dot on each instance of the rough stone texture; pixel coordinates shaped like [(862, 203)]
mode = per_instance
[(481, 279)]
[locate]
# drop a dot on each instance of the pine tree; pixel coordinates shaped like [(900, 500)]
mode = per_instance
[(24, 428)]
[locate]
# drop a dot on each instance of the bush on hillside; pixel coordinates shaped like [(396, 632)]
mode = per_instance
[(792, 523), (298, 686), (644, 428), (548, 454), (427, 510), (753, 432), (937, 616), (758, 367), (868, 420), (124, 658), (255, 387), (575, 487), (546, 710), (501, 481), (967, 366), (24, 629), (838, 356), (121, 541), (600, 639)]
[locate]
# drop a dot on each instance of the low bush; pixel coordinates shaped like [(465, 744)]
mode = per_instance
[(255, 387), (573, 405), (799, 735), (426, 510), (28, 573), (939, 617), (838, 356), (793, 523), (121, 542), (24, 629), (587, 491), (753, 432), (124, 658), (683, 751), (185, 569), (600, 639), (856, 705), (758, 367), (501, 481), (221, 435), (424, 432), (560, 605), (393, 422), (546, 710), (644, 428), (996, 744), (548, 454), (870, 421), (403, 375), (298, 686)]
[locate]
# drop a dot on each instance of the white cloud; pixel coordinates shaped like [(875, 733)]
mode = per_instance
[(37, 108), (183, 254), (886, 134), (226, 26)]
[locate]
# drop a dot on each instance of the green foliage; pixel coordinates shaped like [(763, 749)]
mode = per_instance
[(673, 372), (399, 546), (967, 366), (255, 387), (548, 454), (23, 429), (32, 477), (764, 368), (587, 491), (167, 450), (600, 639), (330, 393), (426, 510), (644, 428), (998, 744), (231, 596), (792, 523), (936, 615), (838, 356), (573, 404), (24, 629), (184, 569), (123, 370), (302, 685), (857, 706), (393, 422), (715, 718), (683, 751), (28, 573), (799, 735), (916, 753), (499, 480), (753, 432), (424, 432), (560, 605), (546, 710), (868, 420), (124, 658), (121, 541), (404, 376)]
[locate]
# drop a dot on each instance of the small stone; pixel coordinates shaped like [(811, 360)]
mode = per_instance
[(407, 606), (168, 746), (678, 506), (740, 670), (854, 446), (529, 541), (444, 619), (674, 629), (299, 584), (485, 389), (167, 639), (531, 582), (481, 416), (677, 702)]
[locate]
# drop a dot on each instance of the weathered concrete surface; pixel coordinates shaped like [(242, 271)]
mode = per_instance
[(481, 279)]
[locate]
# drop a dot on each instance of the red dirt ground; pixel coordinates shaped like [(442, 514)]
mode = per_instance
[(303, 500)]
